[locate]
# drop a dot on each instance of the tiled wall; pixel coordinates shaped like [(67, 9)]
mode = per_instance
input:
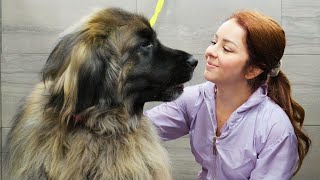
[(30, 28)]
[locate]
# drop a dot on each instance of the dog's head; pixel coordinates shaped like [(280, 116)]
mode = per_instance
[(112, 59)]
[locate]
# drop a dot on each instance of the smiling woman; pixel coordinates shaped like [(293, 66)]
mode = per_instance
[(228, 54), (242, 122)]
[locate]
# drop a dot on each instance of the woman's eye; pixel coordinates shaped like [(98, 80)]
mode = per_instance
[(227, 49), (213, 42)]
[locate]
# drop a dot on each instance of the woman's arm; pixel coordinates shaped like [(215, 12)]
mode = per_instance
[(170, 120), (277, 160), (173, 118)]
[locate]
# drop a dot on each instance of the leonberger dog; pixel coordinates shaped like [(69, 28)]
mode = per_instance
[(84, 120)]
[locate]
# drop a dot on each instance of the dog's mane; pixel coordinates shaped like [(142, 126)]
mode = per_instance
[(82, 72)]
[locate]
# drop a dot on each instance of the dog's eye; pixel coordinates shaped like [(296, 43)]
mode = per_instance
[(146, 45)]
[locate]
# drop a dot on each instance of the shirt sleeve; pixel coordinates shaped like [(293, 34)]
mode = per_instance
[(278, 159), (171, 118)]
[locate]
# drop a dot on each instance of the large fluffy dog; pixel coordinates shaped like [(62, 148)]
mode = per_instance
[(85, 120)]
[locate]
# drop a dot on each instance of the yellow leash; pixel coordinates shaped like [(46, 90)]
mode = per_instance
[(156, 12)]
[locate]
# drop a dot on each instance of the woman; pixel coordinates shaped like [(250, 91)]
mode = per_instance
[(243, 122)]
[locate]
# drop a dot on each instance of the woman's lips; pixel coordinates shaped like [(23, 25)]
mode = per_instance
[(211, 65)]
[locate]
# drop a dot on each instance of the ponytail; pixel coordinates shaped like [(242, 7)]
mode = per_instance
[(279, 90)]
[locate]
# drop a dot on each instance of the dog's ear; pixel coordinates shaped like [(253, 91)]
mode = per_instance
[(76, 74), (60, 73), (58, 59), (98, 77), (56, 75)]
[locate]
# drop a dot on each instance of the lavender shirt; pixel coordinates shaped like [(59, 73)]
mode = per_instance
[(257, 141)]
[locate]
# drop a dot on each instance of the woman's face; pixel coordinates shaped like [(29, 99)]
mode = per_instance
[(227, 55)]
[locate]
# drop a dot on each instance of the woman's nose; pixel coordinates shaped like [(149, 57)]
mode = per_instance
[(211, 51)]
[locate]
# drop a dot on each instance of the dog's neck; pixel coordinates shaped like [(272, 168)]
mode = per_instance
[(135, 110), (126, 117)]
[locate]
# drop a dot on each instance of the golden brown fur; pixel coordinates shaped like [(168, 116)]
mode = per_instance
[(136, 154), (84, 121)]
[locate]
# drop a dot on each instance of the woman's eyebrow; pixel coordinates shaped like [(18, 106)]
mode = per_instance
[(226, 40)]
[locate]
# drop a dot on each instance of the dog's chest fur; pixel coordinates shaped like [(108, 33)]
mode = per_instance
[(80, 153), (135, 155)]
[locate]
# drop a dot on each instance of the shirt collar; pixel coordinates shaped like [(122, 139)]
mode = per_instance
[(208, 90), (256, 98), (253, 100)]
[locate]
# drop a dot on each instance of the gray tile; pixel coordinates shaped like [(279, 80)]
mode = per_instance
[(34, 26), (19, 74), (303, 72), (10, 105), (4, 134), (310, 166), (1, 157), (54, 15), (3, 170), (190, 24), (22, 68), (300, 20), (14, 42)]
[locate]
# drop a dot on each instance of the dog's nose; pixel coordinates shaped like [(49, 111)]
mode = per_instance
[(193, 62)]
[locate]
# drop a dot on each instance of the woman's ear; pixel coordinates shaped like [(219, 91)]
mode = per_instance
[(253, 72)]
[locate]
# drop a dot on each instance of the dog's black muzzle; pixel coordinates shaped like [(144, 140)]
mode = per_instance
[(192, 62)]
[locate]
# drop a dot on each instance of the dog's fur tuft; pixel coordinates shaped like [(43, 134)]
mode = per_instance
[(84, 120)]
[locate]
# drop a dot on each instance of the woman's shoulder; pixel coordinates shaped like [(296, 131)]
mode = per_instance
[(272, 113), (272, 123), (204, 89), (194, 96)]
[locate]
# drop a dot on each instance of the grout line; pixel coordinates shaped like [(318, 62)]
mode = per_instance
[(5, 54), (281, 19), (283, 54), (1, 165)]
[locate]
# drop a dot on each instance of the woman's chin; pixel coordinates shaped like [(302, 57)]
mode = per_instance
[(209, 76)]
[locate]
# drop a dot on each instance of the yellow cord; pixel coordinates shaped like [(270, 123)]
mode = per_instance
[(156, 12)]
